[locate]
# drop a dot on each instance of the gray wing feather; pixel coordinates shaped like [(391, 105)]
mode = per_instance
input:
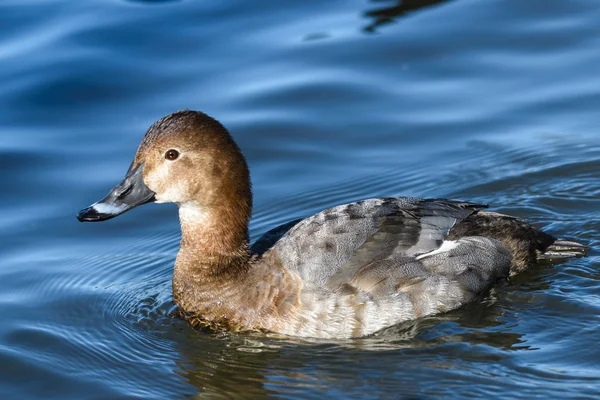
[(330, 247), (474, 263), (437, 282)]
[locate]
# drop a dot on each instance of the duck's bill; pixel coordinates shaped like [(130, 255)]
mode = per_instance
[(130, 193)]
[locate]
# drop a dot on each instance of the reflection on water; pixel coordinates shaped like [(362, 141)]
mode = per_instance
[(395, 9), (485, 101)]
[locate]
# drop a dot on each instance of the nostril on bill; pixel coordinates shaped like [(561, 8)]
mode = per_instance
[(125, 192)]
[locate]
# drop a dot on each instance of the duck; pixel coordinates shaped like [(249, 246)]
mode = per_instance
[(349, 271)]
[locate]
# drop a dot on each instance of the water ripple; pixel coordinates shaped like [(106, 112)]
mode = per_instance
[(330, 102)]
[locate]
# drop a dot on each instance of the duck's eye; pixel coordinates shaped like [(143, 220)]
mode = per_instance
[(171, 154)]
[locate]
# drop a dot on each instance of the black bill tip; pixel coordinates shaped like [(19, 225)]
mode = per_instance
[(90, 214)]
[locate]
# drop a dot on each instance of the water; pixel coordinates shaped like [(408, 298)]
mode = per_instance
[(491, 101)]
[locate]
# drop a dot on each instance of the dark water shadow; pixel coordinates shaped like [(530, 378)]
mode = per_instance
[(398, 9)]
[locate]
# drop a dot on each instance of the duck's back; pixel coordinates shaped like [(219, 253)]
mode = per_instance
[(330, 247), (378, 262), (371, 264)]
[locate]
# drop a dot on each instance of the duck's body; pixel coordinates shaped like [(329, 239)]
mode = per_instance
[(348, 271)]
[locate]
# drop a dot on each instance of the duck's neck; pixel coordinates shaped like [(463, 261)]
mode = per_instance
[(213, 255), (212, 241)]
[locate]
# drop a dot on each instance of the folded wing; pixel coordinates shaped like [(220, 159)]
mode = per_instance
[(330, 247)]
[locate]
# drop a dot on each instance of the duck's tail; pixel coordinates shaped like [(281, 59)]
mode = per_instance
[(564, 249)]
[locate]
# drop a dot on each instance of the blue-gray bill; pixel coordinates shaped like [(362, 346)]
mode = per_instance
[(130, 193)]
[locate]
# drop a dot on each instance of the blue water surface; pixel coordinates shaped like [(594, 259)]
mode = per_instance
[(485, 100)]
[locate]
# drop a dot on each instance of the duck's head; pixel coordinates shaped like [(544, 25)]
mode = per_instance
[(187, 158)]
